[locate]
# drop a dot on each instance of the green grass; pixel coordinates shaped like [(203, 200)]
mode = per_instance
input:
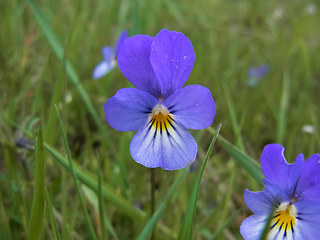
[(81, 182)]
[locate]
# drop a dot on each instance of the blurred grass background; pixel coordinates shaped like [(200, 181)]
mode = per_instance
[(228, 37)]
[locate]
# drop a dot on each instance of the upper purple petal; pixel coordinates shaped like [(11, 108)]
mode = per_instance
[(258, 72), (274, 165), (193, 106), (134, 63), (308, 187), (108, 54), (172, 57), (123, 36), (128, 109), (294, 173)]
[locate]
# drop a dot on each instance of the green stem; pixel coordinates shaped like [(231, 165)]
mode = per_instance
[(153, 190)]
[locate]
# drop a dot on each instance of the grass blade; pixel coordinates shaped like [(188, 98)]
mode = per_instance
[(282, 117), (52, 218), (187, 225), (100, 200), (90, 180), (225, 224), (147, 230), (38, 202), (75, 179), (58, 50), (244, 160)]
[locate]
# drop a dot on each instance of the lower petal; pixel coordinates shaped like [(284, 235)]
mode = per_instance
[(252, 227), (308, 220), (169, 146), (102, 69)]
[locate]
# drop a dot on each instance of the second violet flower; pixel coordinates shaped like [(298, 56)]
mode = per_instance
[(159, 108)]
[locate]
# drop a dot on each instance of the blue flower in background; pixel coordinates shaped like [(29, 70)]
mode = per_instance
[(294, 191), (159, 109), (256, 74), (109, 57)]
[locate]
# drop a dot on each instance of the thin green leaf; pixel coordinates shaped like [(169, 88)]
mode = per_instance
[(187, 225), (233, 117), (91, 181), (244, 160), (75, 179), (100, 202), (175, 10), (105, 222), (282, 117), (267, 225), (38, 202), (58, 50), (225, 224), (108, 192), (147, 230), (52, 218)]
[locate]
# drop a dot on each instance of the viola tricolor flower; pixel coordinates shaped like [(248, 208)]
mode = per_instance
[(256, 74), (109, 57), (293, 191), (159, 108)]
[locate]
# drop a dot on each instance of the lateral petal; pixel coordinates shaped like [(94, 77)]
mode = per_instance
[(128, 109), (193, 106), (262, 202)]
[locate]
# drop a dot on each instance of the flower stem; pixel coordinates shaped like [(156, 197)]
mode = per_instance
[(152, 199)]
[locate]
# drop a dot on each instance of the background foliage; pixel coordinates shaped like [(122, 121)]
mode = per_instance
[(48, 50)]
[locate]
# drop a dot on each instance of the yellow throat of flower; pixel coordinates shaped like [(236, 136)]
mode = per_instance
[(161, 119), (284, 217)]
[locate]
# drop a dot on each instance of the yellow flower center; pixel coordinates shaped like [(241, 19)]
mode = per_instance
[(284, 217), (161, 119)]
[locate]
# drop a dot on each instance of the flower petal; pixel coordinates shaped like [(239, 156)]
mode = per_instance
[(308, 220), (168, 146), (128, 109), (102, 69), (108, 54), (193, 106), (134, 63), (294, 173), (308, 187), (262, 202), (123, 36), (252, 227), (274, 165), (172, 59)]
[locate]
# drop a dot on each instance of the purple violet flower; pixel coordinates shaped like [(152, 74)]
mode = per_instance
[(294, 191), (110, 55), (159, 109), (256, 74)]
